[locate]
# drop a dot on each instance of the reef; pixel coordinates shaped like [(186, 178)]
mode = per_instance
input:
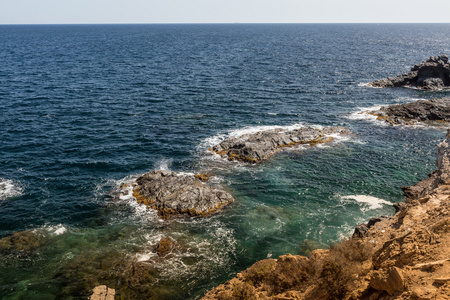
[(434, 110), (405, 256), (258, 146), (432, 74), (172, 193)]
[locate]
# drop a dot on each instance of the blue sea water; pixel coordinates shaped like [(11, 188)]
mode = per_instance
[(85, 108)]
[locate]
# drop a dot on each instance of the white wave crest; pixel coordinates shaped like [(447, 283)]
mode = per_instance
[(369, 202), (163, 164), (9, 189), (214, 140), (364, 113)]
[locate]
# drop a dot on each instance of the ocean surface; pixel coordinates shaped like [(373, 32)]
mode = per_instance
[(86, 108)]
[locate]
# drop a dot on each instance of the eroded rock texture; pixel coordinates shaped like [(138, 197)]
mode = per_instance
[(258, 146), (432, 74)]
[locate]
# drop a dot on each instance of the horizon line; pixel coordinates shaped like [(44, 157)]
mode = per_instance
[(222, 23)]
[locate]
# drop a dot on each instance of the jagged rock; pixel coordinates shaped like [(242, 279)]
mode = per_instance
[(102, 292), (254, 147), (360, 230), (432, 74), (419, 111), (172, 193)]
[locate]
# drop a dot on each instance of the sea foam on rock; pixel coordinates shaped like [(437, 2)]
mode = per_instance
[(257, 146), (432, 74), (171, 193)]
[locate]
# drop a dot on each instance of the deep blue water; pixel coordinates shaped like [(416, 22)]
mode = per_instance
[(84, 108)]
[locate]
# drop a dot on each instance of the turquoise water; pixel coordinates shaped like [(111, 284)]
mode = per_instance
[(87, 108)]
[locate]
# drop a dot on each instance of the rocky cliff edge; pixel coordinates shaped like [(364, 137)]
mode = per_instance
[(406, 256)]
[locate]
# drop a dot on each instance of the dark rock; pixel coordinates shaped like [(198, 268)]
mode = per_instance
[(373, 221), (398, 206), (360, 231), (172, 193), (419, 111), (254, 147), (432, 74)]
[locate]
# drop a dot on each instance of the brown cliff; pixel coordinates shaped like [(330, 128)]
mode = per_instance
[(403, 257)]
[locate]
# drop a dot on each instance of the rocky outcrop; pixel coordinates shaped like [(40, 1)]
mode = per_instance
[(255, 147), (102, 292), (172, 193), (432, 74), (402, 257), (419, 111)]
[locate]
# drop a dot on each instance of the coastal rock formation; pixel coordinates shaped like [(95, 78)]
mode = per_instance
[(432, 74), (172, 193), (102, 292), (419, 111), (402, 257), (258, 146)]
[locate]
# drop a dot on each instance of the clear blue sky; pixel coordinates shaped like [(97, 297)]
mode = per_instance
[(223, 11)]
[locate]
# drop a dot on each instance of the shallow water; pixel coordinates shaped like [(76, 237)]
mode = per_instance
[(86, 108)]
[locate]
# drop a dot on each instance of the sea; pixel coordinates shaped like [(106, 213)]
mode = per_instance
[(85, 109)]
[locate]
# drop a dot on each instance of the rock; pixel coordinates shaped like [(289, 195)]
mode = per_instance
[(375, 220), (255, 147), (172, 193), (102, 292), (165, 246), (390, 281), (22, 243), (435, 178), (419, 111), (360, 231), (432, 74)]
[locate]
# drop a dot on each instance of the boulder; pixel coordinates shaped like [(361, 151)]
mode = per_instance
[(258, 146), (172, 193), (432, 74)]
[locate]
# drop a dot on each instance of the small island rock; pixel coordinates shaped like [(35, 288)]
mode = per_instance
[(419, 111), (172, 193), (432, 74), (255, 147)]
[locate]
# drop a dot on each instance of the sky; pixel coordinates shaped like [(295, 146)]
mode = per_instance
[(223, 11)]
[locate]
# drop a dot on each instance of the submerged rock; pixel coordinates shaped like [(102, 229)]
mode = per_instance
[(172, 193), (254, 147), (432, 74), (419, 111), (165, 246), (22, 243)]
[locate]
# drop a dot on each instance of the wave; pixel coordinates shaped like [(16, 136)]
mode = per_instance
[(367, 202), (9, 189)]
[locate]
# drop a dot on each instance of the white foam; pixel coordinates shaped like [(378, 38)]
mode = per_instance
[(369, 202), (52, 229), (9, 189), (363, 113), (214, 140), (163, 164)]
